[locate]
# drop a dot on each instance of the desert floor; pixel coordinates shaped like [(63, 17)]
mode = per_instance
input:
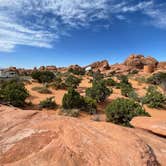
[(140, 88)]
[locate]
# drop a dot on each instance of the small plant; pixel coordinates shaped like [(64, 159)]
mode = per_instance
[(77, 71), (72, 99), (43, 76), (14, 93), (90, 105), (49, 103), (157, 78), (72, 81), (97, 76), (99, 91), (42, 90), (110, 82), (121, 111), (154, 98), (126, 89), (133, 72)]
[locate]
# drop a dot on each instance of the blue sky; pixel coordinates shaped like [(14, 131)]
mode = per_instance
[(64, 32)]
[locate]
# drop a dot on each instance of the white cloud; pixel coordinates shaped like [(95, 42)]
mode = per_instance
[(41, 22)]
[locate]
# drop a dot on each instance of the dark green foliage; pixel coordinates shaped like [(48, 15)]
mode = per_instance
[(49, 103), (77, 72), (72, 81), (110, 82), (90, 105), (14, 93), (42, 90), (157, 78), (123, 79), (58, 84), (43, 76), (134, 72), (99, 91), (121, 111), (97, 76), (154, 98), (72, 99), (126, 89)]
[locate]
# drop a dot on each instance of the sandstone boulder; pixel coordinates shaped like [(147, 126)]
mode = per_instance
[(139, 61), (100, 65)]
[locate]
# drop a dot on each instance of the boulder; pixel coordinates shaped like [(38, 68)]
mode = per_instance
[(139, 61), (100, 65)]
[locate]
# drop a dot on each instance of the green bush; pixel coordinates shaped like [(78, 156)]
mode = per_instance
[(43, 76), (97, 76), (49, 103), (133, 72), (72, 81), (98, 91), (154, 98), (157, 78), (123, 79), (14, 93), (110, 82), (90, 105), (77, 72), (126, 89), (42, 90), (72, 99), (121, 111)]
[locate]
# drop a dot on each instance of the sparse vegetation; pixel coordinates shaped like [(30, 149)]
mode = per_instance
[(72, 81), (121, 111), (72, 99), (157, 78), (90, 105), (154, 98), (110, 82), (42, 90), (48, 103), (71, 112), (77, 72), (99, 91), (14, 93), (43, 76)]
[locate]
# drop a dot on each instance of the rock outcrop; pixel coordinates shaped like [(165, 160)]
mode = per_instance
[(151, 124), (33, 138), (139, 61), (100, 65)]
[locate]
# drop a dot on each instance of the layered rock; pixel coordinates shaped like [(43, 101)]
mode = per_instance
[(139, 61), (33, 138), (100, 65)]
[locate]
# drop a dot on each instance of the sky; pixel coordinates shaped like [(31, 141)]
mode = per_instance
[(65, 32)]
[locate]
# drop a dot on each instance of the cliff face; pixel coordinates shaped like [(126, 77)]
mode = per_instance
[(33, 138)]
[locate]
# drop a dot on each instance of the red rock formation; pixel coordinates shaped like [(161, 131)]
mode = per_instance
[(100, 65), (139, 61)]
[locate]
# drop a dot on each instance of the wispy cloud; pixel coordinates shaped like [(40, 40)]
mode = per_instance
[(42, 22)]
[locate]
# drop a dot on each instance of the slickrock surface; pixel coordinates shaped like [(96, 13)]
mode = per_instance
[(152, 124), (31, 138)]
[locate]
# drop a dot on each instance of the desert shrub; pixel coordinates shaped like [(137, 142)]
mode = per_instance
[(58, 84), (97, 76), (110, 82), (77, 72), (123, 79), (72, 99), (72, 81), (133, 72), (126, 89), (121, 111), (14, 93), (141, 79), (154, 98), (90, 105), (48, 103), (98, 91), (157, 78), (42, 90), (43, 76), (133, 95)]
